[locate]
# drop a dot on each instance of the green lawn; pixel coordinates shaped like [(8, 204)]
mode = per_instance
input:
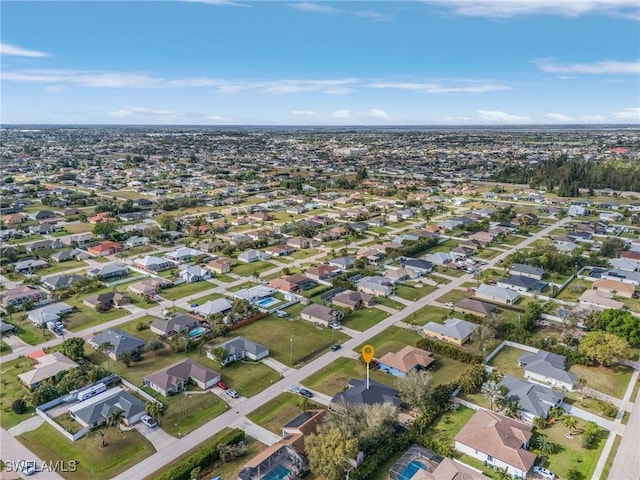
[(488, 253), (221, 277), (430, 314), (447, 426), (242, 286), (454, 296), (306, 253), (247, 378), (572, 454), (124, 450), (78, 227), (248, 269), (513, 240), (274, 414), (446, 369), (85, 317), (184, 413), (413, 293), (13, 389), (185, 290), (612, 381), (507, 361), (391, 340), (387, 302), (145, 334), (30, 334), (334, 377), (206, 298), (4, 348), (56, 267), (574, 289), (233, 468), (444, 247), (592, 405), (364, 318), (275, 333)]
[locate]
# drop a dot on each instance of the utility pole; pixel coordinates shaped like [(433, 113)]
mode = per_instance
[(291, 344)]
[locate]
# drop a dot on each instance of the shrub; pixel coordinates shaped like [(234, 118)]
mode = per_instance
[(19, 406), (449, 351)]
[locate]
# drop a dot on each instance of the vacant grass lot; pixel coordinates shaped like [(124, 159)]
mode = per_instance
[(185, 290), (612, 381), (13, 389), (78, 227), (507, 361), (488, 253), (387, 302), (306, 253), (124, 450), (29, 333), (335, 377), (454, 296), (248, 269), (364, 318), (277, 412), (206, 298), (55, 267), (391, 340), (308, 340), (413, 293), (85, 317), (183, 413), (430, 314)]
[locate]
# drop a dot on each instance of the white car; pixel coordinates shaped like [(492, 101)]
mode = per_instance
[(232, 393), (148, 421), (28, 469), (449, 304), (544, 473), (336, 326)]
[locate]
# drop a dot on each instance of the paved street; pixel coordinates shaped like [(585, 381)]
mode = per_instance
[(626, 464)]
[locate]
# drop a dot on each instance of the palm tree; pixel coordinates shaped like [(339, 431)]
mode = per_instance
[(104, 349), (512, 409), (544, 445), (115, 418), (491, 389), (154, 409), (571, 423), (502, 474), (100, 433)]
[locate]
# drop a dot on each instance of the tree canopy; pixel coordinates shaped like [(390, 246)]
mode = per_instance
[(603, 348), (328, 450), (618, 322)]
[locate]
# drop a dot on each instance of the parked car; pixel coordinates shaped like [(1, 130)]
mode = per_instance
[(222, 385), (232, 393), (336, 326), (336, 347), (306, 393), (449, 304), (472, 290), (294, 389), (544, 473), (281, 313), (148, 421), (28, 469)]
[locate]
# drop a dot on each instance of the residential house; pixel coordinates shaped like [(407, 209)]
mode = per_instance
[(104, 301), (273, 460), (195, 273), (44, 215), (343, 263), (184, 254), (496, 294), (439, 258), (136, 241), (398, 275), (7, 328), (251, 256), (44, 245), (406, 360), (219, 266), (122, 343), (600, 299), (151, 263), (213, 307), (301, 242), (615, 288), (148, 286), (14, 218), (179, 323), (52, 312), (535, 400), (498, 441), (48, 366), (462, 252), (174, 378), (358, 393), (321, 315), (21, 295), (95, 411), (281, 250), (322, 272), (453, 330), (625, 276), (109, 271), (524, 270), (293, 283), (474, 307), (419, 463), (240, 348), (65, 255), (521, 284), (577, 211), (377, 286), (101, 217), (105, 248), (547, 368), (353, 300), (483, 238), (422, 267), (29, 266)]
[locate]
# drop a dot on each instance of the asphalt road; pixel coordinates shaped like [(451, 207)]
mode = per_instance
[(626, 464)]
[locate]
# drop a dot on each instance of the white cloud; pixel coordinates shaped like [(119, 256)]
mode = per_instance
[(502, 117), (460, 118), (630, 114), (603, 67), (438, 88), (326, 9), (7, 49), (304, 113), (341, 114), (53, 88), (129, 111), (558, 117), (218, 3), (377, 114), (83, 78), (217, 118), (516, 8)]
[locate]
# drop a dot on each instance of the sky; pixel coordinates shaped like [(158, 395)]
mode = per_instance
[(253, 62)]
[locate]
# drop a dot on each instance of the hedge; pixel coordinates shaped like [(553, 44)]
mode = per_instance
[(206, 455), (448, 350), (382, 454)]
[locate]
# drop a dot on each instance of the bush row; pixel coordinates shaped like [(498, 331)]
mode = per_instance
[(382, 454), (448, 350)]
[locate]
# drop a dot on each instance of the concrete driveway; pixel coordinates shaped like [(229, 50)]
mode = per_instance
[(158, 437)]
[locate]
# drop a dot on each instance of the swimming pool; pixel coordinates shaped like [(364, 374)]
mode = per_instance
[(278, 473), (196, 332), (267, 302), (411, 469)]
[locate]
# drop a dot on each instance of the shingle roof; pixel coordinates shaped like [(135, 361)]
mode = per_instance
[(407, 359), (548, 364), (452, 327), (358, 393), (534, 399)]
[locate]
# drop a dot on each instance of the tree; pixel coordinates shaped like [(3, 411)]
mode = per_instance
[(485, 331), (327, 451), (472, 378), (106, 230), (115, 418), (540, 423), (590, 434), (571, 423), (195, 473), (154, 409), (618, 322), (100, 432), (611, 246), (220, 355), (19, 406), (574, 474), (512, 408), (105, 349), (603, 348), (545, 446), (73, 348), (126, 358), (370, 425), (493, 391), (415, 388), (155, 345)]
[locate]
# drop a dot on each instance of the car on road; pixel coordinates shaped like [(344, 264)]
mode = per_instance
[(472, 290), (484, 262), (543, 472), (449, 304), (28, 469), (294, 389), (306, 393), (222, 385), (232, 393), (500, 261), (336, 326), (336, 347), (148, 421)]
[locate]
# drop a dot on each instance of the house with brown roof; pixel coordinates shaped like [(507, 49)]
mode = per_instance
[(293, 283), (353, 300), (174, 378), (474, 307), (104, 301), (105, 248), (614, 287), (101, 218), (301, 242), (219, 266), (321, 315), (280, 250), (499, 441), (322, 272), (148, 286), (407, 359), (20, 295)]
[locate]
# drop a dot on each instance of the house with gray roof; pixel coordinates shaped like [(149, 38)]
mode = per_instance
[(109, 270), (547, 368), (453, 330), (213, 307), (7, 328), (29, 266), (96, 410), (474, 307), (343, 262), (180, 323), (49, 313), (526, 271), (65, 255), (55, 282), (439, 258), (497, 294), (174, 378), (357, 393), (521, 284), (321, 315), (121, 341), (535, 400), (418, 265), (240, 348)]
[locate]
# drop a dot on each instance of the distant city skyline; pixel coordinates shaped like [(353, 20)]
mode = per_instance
[(224, 62)]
